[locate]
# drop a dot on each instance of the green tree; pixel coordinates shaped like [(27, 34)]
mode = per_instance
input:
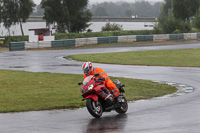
[(168, 23), (143, 9), (166, 7), (112, 27), (122, 9), (172, 24), (163, 16), (15, 11), (185, 9), (54, 13), (70, 15), (129, 13), (156, 9), (196, 21)]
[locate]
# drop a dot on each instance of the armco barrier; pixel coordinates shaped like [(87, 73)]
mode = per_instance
[(190, 36), (69, 43), (63, 43), (176, 36), (40, 44), (92, 40), (198, 35), (193, 36), (110, 39), (161, 37), (17, 46), (100, 40), (122, 39), (141, 38), (85, 41), (57, 43), (80, 42), (131, 38)]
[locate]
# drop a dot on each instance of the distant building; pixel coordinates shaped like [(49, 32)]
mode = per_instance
[(41, 34), (134, 16)]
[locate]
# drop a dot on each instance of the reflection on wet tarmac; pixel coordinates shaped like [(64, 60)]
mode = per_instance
[(109, 124), (18, 66), (68, 65)]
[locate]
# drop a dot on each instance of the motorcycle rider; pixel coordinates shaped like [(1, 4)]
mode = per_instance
[(89, 70)]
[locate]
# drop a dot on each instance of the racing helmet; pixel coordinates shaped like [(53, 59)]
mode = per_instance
[(87, 68)]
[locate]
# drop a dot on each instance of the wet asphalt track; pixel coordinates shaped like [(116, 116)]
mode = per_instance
[(178, 114)]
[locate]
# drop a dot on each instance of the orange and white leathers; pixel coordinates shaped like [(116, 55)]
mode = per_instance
[(109, 84)]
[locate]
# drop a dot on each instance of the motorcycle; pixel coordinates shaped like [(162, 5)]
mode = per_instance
[(96, 105)]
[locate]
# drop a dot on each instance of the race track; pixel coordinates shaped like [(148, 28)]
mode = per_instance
[(177, 114)]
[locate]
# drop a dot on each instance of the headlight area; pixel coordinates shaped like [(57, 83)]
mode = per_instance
[(90, 87)]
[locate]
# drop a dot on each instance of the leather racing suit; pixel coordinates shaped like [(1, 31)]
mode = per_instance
[(109, 84)]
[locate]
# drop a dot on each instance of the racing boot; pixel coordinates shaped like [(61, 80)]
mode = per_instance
[(119, 99)]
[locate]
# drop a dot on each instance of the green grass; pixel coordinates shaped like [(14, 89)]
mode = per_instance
[(62, 36), (183, 58), (28, 91)]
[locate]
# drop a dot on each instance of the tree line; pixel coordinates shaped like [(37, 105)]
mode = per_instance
[(15, 11), (69, 15), (73, 15), (179, 16), (118, 9), (125, 9)]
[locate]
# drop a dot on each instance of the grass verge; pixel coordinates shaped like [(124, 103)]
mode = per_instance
[(28, 91), (61, 36), (182, 58)]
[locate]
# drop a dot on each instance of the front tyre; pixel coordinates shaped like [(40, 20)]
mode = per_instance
[(94, 107), (123, 106)]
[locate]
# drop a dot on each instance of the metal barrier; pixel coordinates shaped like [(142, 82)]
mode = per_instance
[(102, 40), (17, 46), (63, 43)]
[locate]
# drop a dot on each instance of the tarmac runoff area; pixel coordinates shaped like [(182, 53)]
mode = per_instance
[(182, 90), (175, 113)]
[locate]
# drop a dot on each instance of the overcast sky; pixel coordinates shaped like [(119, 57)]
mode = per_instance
[(99, 1)]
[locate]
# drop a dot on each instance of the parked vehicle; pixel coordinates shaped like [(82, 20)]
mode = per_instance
[(96, 105)]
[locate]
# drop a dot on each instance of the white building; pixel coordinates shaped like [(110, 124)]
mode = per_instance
[(34, 35)]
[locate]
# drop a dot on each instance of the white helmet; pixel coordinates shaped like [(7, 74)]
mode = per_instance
[(87, 68)]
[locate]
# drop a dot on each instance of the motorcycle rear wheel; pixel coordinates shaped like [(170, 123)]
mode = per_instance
[(94, 107), (123, 107)]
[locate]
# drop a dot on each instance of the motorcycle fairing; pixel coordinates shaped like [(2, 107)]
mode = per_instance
[(94, 97)]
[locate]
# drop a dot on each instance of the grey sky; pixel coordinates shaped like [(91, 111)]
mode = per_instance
[(99, 1)]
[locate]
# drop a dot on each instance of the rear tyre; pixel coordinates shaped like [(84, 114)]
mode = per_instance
[(123, 106), (94, 107)]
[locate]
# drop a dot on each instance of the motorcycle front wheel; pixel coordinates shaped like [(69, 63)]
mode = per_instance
[(123, 107), (94, 107)]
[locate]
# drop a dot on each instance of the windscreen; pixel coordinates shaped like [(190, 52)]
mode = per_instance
[(86, 80)]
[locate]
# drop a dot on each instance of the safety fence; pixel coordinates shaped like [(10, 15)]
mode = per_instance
[(16, 46)]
